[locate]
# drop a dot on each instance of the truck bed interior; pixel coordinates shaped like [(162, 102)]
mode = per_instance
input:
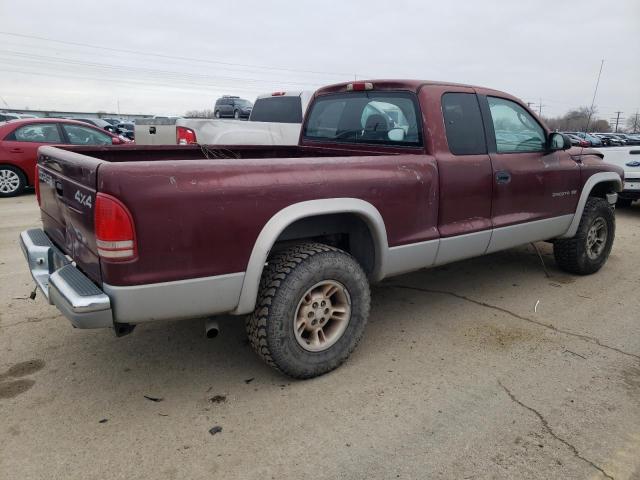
[(135, 153)]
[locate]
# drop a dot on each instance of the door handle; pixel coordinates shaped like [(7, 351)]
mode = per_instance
[(16, 150), (503, 177)]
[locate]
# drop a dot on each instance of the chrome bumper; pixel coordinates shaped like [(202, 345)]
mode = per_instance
[(66, 287)]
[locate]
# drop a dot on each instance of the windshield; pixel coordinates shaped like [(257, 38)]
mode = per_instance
[(243, 103), (389, 118)]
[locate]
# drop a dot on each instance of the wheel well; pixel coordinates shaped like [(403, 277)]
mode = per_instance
[(346, 231), (601, 189)]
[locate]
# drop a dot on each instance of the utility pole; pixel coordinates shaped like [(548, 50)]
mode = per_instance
[(617, 120), (540, 108)]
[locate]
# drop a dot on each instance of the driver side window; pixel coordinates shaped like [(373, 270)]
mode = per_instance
[(515, 129)]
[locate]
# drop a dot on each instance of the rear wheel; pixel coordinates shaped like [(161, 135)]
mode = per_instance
[(236, 114), (311, 311), (589, 249), (12, 181)]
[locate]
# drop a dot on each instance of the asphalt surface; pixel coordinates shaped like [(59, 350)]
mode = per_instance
[(481, 369)]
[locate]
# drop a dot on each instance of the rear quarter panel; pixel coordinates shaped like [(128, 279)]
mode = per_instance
[(197, 218)]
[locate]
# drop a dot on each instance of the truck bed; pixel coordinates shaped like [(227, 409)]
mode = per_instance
[(199, 197)]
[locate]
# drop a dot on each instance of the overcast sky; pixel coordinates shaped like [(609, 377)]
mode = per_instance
[(167, 57)]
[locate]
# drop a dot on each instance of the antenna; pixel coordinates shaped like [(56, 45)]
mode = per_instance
[(593, 101)]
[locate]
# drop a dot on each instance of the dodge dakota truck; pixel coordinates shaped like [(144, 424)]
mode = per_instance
[(389, 177)]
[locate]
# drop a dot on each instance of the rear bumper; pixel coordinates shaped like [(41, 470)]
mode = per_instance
[(66, 287)]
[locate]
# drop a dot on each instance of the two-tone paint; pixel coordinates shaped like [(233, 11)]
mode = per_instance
[(206, 224)]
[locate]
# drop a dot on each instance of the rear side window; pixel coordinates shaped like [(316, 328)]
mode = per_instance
[(277, 109), (463, 123), (386, 118), (37, 132), (86, 136)]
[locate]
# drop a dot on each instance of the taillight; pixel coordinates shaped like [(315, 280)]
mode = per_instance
[(359, 86), (278, 94), (115, 233), (36, 184), (185, 136)]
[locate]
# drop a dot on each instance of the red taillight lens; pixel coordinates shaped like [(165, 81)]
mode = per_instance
[(278, 94), (185, 136), (115, 233), (36, 184)]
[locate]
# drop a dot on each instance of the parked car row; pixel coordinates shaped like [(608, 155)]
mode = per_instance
[(582, 139)]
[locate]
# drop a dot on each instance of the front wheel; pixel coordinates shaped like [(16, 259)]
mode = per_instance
[(12, 181), (217, 114), (311, 311), (236, 114), (587, 251)]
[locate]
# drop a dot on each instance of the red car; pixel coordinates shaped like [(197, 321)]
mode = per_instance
[(20, 139)]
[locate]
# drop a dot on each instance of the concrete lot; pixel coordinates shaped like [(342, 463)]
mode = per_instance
[(459, 376)]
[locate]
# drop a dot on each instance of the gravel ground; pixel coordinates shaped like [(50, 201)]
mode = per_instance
[(486, 368)]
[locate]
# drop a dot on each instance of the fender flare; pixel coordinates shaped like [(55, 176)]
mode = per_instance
[(311, 208), (591, 182)]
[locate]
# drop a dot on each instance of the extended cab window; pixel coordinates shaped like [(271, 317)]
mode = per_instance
[(515, 129), (36, 132), (389, 118), (463, 123)]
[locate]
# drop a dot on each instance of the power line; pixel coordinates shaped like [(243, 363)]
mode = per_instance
[(126, 68), (174, 57)]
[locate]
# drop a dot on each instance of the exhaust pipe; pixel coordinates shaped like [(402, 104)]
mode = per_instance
[(211, 328)]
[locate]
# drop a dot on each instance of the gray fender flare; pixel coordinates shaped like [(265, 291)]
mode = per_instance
[(285, 217), (591, 182)]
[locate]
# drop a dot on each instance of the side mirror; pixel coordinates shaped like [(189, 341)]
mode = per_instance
[(558, 141), (396, 134)]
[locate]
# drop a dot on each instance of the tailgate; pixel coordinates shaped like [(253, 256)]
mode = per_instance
[(67, 182)]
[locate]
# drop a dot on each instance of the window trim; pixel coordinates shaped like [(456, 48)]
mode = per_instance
[(492, 146), (411, 95), (482, 121)]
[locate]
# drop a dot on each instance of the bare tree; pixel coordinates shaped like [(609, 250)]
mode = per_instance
[(577, 120), (633, 123)]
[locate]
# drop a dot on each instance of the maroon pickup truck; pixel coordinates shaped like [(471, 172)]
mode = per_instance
[(389, 177)]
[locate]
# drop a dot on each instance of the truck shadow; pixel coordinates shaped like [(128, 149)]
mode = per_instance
[(175, 359)]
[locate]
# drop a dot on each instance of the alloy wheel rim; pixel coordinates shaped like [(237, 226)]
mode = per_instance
[(9, 181), (597, 238), (322, 316)]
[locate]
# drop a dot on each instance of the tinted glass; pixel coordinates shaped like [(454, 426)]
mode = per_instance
[(365, 117), (277, 109), (465, 131), (86, 136), (515, 129), (37, 132)]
